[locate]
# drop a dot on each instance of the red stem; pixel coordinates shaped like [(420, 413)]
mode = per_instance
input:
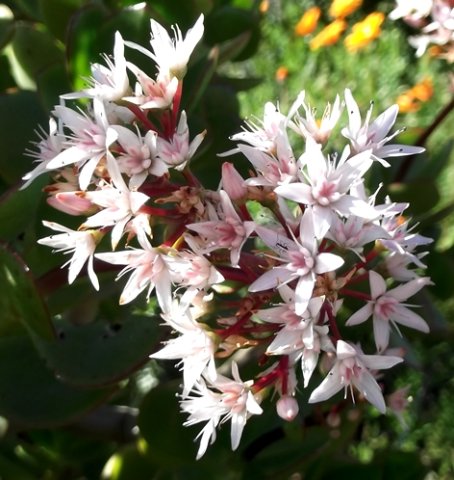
[(142, 117), (355, 294)]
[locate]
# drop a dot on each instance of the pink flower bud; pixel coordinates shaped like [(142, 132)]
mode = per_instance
[(72, 203), (233, 182), (287, 408)]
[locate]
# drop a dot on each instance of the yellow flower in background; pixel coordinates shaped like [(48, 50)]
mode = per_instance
[(281, 74), (410, 101), (364, 32), (308, 22), (329, 35), (343, 8)]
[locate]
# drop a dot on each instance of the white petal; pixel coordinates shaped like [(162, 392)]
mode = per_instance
[(271, 279), (238, 422), (303, 292), (329, 387), (328, 262), (67, 157)]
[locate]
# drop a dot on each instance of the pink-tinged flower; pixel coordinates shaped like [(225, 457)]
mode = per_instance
[(273, 168), (352, 369), (177, 151), (152, 94), (225, 400), (109, 83), (354, 232), (375, 136), (228, 231), (89, 143), (301, 262), (82, 245), (149, 270), (401, 239), (120, 205), (299, 334), (171, 54), (193, 271), (48, 147), (386, 308), (138, 157), (328, 183), (194, 346), (261, 134), (308, 126), (397, 265)]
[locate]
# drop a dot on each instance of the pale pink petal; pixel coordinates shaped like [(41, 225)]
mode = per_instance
[(344, 350), (380, 362), (381, 333), (361, 315), (377, 284), (406, 317), (298, 192), (407, 290), (368, 386)]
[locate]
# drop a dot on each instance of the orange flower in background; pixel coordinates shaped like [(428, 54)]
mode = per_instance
[(410, 101), (329, 35), (343, 8), (281, 74), (308, 22), (264, 6), (364, 32)]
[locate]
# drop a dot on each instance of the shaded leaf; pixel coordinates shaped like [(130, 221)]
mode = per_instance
[(100, 353), (20, 303), (20, 115), (422, 194), (161, 424), (14, 203), (30, 394)]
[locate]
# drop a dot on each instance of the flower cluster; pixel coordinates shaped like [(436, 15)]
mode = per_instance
[(303, 251), (435, 20)]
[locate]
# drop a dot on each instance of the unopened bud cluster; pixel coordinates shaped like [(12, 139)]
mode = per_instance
[(267, 264)]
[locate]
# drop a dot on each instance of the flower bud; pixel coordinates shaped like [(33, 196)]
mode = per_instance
[(287, 408), (233, 182), (72, 203)]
